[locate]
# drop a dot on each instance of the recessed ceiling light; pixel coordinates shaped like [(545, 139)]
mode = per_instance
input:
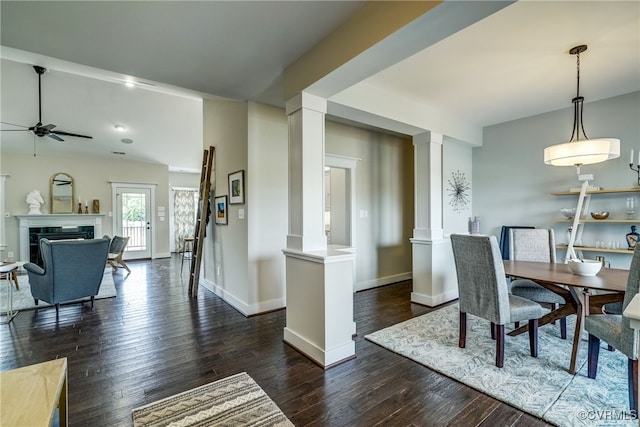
[(127, 141), (119, 128), (129, 83)]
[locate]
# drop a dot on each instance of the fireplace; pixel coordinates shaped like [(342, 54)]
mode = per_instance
[(54, 233), (55, 227)]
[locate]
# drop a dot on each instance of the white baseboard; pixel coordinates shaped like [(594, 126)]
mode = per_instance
[(432, 301), (382, 281), (241, 306), (322, 357)]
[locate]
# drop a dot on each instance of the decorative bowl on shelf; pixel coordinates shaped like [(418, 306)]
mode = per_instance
[(585, 267), (600, 215), (568, 212)]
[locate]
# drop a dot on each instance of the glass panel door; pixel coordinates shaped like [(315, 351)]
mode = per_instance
[(133, 220)]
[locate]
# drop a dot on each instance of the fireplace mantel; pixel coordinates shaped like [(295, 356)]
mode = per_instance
[(54, 220)]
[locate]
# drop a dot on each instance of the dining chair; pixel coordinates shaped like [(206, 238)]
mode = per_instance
[(615, 330), (536, 245), (483, 291)]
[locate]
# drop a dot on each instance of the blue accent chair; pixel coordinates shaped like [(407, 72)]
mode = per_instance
[(73, 269)]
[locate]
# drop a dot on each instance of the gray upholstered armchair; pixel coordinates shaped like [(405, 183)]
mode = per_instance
[(483, 291), (73, 269)]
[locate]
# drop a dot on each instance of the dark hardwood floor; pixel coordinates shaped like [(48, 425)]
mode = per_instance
[(153, 341)]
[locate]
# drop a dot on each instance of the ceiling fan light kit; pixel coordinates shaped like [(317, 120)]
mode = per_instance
[(578, 151)]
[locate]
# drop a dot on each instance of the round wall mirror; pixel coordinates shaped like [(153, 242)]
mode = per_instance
[(62, 193)]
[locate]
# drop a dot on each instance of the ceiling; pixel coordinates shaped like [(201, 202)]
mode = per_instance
[(512, 64)]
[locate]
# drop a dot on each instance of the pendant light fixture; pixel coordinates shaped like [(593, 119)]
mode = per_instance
[(578, 151)]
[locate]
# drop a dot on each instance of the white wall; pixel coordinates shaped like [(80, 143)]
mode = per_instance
[(457, 159), (267, 190), (384, 201), (243, 261), (225, 257), (512, 185), (91, 179)]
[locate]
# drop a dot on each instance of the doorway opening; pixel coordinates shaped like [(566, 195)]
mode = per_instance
[(339, 213)]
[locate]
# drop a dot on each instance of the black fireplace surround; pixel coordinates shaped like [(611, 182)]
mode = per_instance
[(54, 233)]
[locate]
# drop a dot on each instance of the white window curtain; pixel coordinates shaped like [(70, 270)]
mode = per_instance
[(185, 204)]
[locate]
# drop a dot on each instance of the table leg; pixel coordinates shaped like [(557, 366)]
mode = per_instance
[(10, 313), (63, 404), (577, 333)]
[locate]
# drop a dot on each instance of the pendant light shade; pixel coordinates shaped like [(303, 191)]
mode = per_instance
[(578, 152), (582, 152)]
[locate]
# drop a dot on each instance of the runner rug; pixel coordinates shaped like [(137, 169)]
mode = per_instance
[(541, 386), (233, 401), (23, 300)]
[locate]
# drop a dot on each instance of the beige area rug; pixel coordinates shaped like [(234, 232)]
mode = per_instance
[(541, 386), (233, 401), (23, 300)]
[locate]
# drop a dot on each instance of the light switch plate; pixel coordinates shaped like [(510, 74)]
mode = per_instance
[(240, 213)]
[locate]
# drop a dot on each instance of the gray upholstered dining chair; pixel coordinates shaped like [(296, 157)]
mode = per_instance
[(483, 291), (536, 245), (615, 330)]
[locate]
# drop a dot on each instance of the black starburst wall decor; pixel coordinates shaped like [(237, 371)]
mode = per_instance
[(458, 191)]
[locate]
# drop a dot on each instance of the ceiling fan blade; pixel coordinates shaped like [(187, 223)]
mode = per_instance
[(54, 136), (48, 127), (61, 132), (13, 130), (13, 124)]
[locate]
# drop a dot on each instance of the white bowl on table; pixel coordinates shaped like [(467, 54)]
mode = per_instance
[(585, 267)]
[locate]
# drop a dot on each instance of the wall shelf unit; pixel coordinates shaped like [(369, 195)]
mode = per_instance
[(575, 193), (587, 220)]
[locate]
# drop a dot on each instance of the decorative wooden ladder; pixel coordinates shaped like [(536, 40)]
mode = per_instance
[(201, 221)]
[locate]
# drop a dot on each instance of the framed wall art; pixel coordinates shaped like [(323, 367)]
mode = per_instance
[(236, 188), (221, 211)]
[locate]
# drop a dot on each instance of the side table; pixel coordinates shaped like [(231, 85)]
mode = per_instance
[(8, 271), (30, 395)]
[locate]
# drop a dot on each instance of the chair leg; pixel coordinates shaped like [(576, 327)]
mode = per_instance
[(592, 360), (92, 299), (35, 301), (499, 346), (633, 385), (516, 325), (563, 328), (610, 347), (463, 330), (57, 309), (533, 337), (493, 331)]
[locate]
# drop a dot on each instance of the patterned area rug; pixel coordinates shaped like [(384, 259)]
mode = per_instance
[(541, 386), (233, 401), (23, 300)]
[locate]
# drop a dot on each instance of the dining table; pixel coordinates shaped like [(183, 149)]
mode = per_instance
[(583, 295)]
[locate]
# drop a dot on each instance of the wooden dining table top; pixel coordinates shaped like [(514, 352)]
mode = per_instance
[(607, 279)]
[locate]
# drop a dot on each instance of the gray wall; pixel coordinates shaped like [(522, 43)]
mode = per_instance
[(512, 185)]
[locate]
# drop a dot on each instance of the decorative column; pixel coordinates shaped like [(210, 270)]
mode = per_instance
[(319, 281), (434, 277)]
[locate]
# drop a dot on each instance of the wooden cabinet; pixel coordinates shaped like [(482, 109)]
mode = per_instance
[(617, 216)]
